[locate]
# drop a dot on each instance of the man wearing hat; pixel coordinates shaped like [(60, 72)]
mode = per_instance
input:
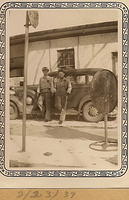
[(45, 85), (62, 87)]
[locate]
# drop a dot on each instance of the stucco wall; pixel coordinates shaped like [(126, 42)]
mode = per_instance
[(93, 51), (44, 53), (90, 51), (38, 57), (96, 50)]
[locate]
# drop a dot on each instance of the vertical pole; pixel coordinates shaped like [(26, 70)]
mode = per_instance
[(105, 128), (106, 109), (78, 60), (25, 83), (50, 55)]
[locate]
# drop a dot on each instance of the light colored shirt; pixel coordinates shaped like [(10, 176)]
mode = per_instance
[(45, 83)]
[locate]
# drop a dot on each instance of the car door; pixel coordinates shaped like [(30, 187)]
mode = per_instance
[(80, 88)]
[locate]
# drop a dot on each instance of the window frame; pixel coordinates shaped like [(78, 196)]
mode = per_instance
[(66, 60)]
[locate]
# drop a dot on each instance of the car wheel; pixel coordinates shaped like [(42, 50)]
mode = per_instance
[(13, 111), (90, 113)]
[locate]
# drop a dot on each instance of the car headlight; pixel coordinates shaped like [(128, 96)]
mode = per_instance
[(29, 100)]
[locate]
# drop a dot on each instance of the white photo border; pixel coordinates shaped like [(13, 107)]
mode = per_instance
[(124, 117)]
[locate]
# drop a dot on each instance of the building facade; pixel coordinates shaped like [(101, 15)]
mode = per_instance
[(85, 46)]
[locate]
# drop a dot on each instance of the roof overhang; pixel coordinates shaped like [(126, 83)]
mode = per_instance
[(89, 29)]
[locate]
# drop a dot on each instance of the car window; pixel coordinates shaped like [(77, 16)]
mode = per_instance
[(80, 80), (90, 78), (83, 79), (71, 78)]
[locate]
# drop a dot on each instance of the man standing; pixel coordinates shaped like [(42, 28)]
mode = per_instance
[(62, 88), (45, 85)]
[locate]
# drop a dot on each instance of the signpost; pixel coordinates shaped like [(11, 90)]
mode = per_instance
[(31, 19), (104, 98)]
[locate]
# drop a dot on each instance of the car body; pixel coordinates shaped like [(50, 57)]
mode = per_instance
[(79, 99)]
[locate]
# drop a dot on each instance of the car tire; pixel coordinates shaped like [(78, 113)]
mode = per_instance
[(13, 111), (90, 113)]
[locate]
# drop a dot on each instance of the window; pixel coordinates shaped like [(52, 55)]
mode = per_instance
[(66, 58), (114, 62), (17, 66)]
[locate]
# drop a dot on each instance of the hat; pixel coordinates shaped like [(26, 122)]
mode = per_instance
[(61, 70), (45, 69)]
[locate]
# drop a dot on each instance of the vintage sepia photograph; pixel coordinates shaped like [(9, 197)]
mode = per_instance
[(63, 85)]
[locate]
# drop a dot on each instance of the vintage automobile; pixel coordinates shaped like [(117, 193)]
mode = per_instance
[(79, 100), (16, 100)]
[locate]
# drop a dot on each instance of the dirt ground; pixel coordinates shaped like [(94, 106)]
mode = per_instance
[(73, 145)]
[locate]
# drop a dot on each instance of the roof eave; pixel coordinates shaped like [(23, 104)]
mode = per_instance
[(90, 29)]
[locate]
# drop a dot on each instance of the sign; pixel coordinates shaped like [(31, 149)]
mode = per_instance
[(104, 91), (33, 18)]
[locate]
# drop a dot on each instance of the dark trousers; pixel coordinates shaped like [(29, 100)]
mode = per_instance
[(60, 102), (46, 101)]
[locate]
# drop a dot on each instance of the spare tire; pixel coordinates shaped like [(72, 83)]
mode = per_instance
[(90, 113)]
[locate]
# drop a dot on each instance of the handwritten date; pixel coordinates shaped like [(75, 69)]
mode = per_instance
[(45, 195)]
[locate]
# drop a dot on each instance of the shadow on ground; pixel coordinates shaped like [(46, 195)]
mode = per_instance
[(63, 133), (69, 133)]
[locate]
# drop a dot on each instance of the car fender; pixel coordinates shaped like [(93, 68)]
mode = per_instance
[(30, 92), (18, 103), (83, 100)]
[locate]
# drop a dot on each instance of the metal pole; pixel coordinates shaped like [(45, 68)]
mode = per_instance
[(50, 56), (105, 128), (25, 83), (78, 59), (106, 110)]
